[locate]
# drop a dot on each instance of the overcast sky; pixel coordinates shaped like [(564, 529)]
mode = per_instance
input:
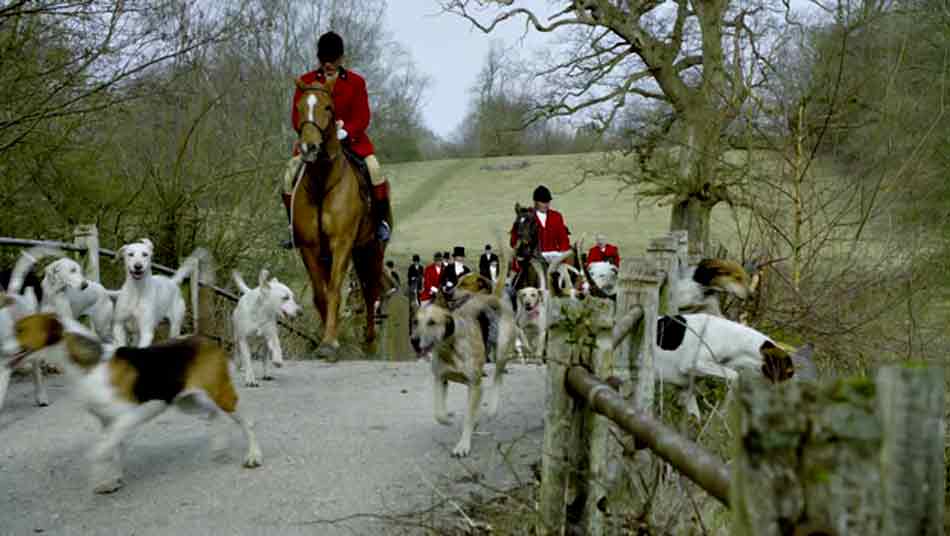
[(451, 51)]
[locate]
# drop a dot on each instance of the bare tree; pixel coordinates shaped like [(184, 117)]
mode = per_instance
[(698, 60), (65, 58)]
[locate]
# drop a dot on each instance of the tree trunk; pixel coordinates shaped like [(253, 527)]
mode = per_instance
[(697, 172), (692, 215)]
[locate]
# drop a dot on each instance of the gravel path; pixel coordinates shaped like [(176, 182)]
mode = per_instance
[(338, 440)]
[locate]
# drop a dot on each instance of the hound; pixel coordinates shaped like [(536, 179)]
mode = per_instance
[(19, 301), (694, 290), (256, 315), (68, 293), (147, 299), (703, 344), (458, 342), (604, 275), (531, 323), (697, 289), (126, 387)]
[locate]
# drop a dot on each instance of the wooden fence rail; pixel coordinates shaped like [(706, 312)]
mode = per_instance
[(850, 456), (691, 459)]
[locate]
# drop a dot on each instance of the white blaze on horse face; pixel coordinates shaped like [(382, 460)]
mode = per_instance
[(311, 104)]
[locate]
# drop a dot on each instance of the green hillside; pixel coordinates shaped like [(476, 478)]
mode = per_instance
[(440, 204)]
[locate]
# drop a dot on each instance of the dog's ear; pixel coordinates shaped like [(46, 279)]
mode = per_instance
[(777, 365), (148, 244), (449, 326), (517, 208), (119, 254)]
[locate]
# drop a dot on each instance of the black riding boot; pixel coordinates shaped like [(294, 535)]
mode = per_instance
[(382, 212), (289, 243)]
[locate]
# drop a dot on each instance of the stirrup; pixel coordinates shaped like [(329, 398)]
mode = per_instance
[(382, 232), (289, 243)]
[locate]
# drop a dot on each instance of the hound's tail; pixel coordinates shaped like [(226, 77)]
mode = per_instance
[(25, 263), (189, 268), (239, 281)]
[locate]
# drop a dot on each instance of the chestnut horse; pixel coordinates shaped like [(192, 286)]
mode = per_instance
[(332, 223)]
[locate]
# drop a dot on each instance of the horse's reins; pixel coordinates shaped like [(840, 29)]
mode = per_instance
[(300, 168), (323, 131)]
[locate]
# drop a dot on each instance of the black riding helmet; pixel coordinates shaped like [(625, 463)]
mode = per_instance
[(542, 194), (329, 47)]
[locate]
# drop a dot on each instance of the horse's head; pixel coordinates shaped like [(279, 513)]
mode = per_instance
[(526, 233), (317, 121)]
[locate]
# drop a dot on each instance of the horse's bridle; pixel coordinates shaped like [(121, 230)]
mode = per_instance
[(323, 131)]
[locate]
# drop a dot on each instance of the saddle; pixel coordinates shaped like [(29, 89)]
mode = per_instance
[(366, 185)]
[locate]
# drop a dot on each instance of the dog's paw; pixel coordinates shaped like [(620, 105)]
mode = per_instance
[(462, 449), (267, 378), (277, 364), (109, 485), (251, 382), (42, 402), (253, 459)]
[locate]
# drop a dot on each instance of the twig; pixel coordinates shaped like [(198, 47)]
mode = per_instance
[(471, 524)]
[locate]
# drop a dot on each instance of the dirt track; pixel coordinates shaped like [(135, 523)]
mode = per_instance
[(338, 440)]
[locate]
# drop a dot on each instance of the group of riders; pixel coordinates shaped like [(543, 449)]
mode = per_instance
[(352, 112)]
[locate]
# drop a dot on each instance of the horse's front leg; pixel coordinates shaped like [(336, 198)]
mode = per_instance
[(341, 246), (318, 280)]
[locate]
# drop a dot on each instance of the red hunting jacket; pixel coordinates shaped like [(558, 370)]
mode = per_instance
[(553, 235), (609, 254), (351, 105), (430, 278)]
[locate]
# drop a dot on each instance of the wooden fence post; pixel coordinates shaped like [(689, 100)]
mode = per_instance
[(561, 433), (646, 284), (681, 239), (87, 237), (396, 329), (575, 438), (849, 457), (911, 405), (628, 315), (664, 252), (594, 467), (205, 282)]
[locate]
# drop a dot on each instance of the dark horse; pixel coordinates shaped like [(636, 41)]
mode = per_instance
[(526, 242), (331, 216), (534, 270)]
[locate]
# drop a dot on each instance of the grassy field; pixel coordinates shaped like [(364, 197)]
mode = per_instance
[(441, 204)]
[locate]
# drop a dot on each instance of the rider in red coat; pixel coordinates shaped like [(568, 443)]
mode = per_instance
[(603, 252), (351, 107), (553, 234), (430, 279)]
